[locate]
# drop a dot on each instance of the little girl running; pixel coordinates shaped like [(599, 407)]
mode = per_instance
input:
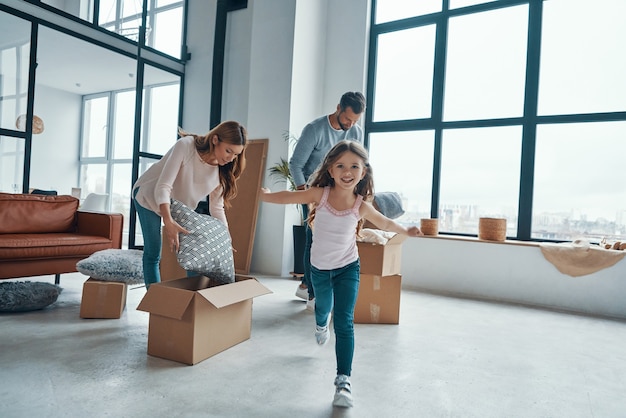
[(341, 193)]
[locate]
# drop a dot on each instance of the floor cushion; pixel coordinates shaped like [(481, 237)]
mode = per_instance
[(27, 296), (114, 265)]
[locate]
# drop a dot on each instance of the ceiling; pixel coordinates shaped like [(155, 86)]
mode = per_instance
[(73, 65)]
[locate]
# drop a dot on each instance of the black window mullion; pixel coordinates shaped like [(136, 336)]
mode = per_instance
[(441, 40), (529, 131)]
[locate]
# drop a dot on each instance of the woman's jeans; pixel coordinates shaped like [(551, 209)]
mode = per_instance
[(336, 290), (151, 230)]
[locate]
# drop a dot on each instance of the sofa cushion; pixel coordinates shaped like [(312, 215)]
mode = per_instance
[(27, 213), (38, 246)]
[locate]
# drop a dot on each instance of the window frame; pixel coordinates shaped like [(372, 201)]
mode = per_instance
[(529, 121)]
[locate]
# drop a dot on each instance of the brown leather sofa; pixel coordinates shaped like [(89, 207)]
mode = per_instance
[(41, 235)]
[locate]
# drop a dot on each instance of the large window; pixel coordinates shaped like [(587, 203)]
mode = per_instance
[(501, 109), (164, 22), (108, 137)]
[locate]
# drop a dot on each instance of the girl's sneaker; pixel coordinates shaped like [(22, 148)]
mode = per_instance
[(343, 392), (310, 305), (302, 292), (321, 334)]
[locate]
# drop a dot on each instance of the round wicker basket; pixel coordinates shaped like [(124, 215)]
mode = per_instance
[(429, 226), (492, 229)]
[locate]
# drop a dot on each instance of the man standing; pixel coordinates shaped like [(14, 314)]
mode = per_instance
[(316, 139)]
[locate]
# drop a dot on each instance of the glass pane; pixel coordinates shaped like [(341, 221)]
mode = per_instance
[(93, 179), (132, 8), (124, 125), (130, 29), (480, 171), (402, 162), (582, 57), (579, 191), (14, 59), (80, 8), (486, 62), (120, 193), (145, 164), (108, 12), (167, 32), (11, 164), (455, 4), (160, 119), (160, 3), (404, 76), (95, 127), (124, 20), (389, 10)]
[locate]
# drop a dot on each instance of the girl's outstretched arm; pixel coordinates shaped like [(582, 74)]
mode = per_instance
[(369, 212), (284, 197)]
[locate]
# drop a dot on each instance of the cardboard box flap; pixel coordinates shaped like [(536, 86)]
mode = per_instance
[(160, 301), (220, 296), (397, 239)]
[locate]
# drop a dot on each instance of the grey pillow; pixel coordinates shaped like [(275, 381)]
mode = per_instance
[(207, 249), (114, 265), (27, 296)]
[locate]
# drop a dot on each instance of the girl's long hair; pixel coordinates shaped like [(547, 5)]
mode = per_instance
[(322, 178), (230, 132)]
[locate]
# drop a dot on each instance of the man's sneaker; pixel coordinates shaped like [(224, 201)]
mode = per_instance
[(322, 334), (343, 392), (310, 305), (302, 292)]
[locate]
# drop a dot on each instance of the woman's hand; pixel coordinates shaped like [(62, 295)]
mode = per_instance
[(172, 229)]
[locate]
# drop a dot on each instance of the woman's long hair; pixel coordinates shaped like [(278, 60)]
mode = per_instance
[(322, 178), (230, 132)]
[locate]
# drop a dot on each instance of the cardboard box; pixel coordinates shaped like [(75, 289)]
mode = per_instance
[(192, 319), (168, 266), (382, 260), (103, 299), (378, 301)]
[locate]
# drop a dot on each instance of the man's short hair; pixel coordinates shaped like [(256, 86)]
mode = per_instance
[(353, 100)]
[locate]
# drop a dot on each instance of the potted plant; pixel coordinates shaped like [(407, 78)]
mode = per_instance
[(280, 171)]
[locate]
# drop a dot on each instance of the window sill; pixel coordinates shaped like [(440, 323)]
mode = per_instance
[(475, 239)]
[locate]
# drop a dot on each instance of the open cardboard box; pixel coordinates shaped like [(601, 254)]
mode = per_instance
[(381, 260), (194, 318), (378, 301), (103, 299)]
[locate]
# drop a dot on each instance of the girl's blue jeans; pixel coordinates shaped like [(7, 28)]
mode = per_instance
[(336, 290), (151, 230)]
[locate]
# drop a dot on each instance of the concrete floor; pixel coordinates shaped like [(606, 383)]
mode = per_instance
[(447, 358)]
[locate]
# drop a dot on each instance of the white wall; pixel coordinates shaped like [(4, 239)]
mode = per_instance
[(54, 163), (511, 273), (289, 61), (309, 64), (197, 88)]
